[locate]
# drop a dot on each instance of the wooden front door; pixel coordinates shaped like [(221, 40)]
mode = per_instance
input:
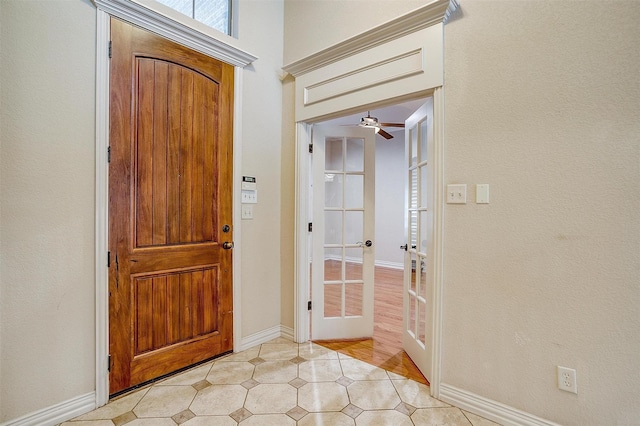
[(170, 200)]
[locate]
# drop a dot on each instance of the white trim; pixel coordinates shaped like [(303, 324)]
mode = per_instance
[(380, 263), (402, 67), (433, 13), (259, 338), (102, 208), (301, 245), (286, 332), (57, 413), (489, 409), (181, 29), (438, 239), (390, 265), (237, 207)]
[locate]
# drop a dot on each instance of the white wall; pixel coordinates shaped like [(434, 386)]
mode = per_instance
[(390, 173), (47, 173), (47, 86), (542, 104)]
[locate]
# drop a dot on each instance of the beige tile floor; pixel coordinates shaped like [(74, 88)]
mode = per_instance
[(281, 383)]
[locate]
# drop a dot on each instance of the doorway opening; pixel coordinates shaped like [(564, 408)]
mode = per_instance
[(392, 232)]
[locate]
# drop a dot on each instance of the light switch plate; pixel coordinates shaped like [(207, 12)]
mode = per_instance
[(482, 193), (249, 196), (457, 193), (247, 211)]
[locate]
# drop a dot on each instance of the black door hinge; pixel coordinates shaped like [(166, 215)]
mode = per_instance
[(109, 154), (110, 48), (310, 227), (310, 148), (108, 259), (309, 305), (109, 364)]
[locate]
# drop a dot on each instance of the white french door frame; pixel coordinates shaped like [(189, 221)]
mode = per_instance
[(179, 32), (302, 276)]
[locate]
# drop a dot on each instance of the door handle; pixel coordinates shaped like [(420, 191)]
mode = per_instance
[(404, 247), (367, 243), (227, 245)]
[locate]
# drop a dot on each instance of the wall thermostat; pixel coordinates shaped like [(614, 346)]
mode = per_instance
[(249, 190)]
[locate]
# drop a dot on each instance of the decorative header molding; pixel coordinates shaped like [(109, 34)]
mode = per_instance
[(431, 14), (163, 21)]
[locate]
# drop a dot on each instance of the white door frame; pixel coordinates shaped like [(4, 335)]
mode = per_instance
[(397, 61), (302, 256), (177, 28)]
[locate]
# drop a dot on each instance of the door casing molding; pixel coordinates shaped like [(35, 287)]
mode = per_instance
[(330, 75), (151, 21), (172, 25)]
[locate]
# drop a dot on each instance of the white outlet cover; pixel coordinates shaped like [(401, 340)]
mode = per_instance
[(567, 379), (482, 193), (457, 193)]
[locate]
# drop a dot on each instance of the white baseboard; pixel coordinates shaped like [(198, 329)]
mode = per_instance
[(391, 265), (287, 333), (489, 409), (381, 263), (58, 413), (264, 336)]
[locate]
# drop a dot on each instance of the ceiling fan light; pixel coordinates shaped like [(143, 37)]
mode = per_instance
[(369, 121)]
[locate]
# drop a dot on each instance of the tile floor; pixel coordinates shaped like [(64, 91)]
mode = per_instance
[(281, 383)]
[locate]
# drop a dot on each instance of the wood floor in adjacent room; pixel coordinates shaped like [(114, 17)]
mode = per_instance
[(385, 348)]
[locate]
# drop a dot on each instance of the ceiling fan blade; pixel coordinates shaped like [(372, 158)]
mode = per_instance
[(385, 134), (392, 124)]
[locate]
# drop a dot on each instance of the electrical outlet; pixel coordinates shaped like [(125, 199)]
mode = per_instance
[(567, 379)]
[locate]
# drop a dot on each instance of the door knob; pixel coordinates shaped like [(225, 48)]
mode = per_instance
[(227, 245), (404, 247), (367, 243)]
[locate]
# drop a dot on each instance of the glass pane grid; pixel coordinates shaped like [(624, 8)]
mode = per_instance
[(213, 13), (344, 203)]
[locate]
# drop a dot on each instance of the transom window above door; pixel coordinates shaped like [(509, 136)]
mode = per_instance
[(213, 13)]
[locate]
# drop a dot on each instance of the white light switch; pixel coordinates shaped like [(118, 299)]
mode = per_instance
[(457, 193), (482, 193), (247, 211), (249, 196)]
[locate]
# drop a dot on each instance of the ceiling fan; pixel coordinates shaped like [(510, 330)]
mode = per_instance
[(369, 121)]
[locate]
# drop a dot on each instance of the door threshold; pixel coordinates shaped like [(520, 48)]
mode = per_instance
[(165, 376)]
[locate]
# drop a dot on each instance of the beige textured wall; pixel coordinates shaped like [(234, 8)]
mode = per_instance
[(542, 103), (313, 25), (47, 138)]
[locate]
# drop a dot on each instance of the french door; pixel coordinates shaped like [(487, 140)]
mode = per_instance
[(419, 262), (343, 162)]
